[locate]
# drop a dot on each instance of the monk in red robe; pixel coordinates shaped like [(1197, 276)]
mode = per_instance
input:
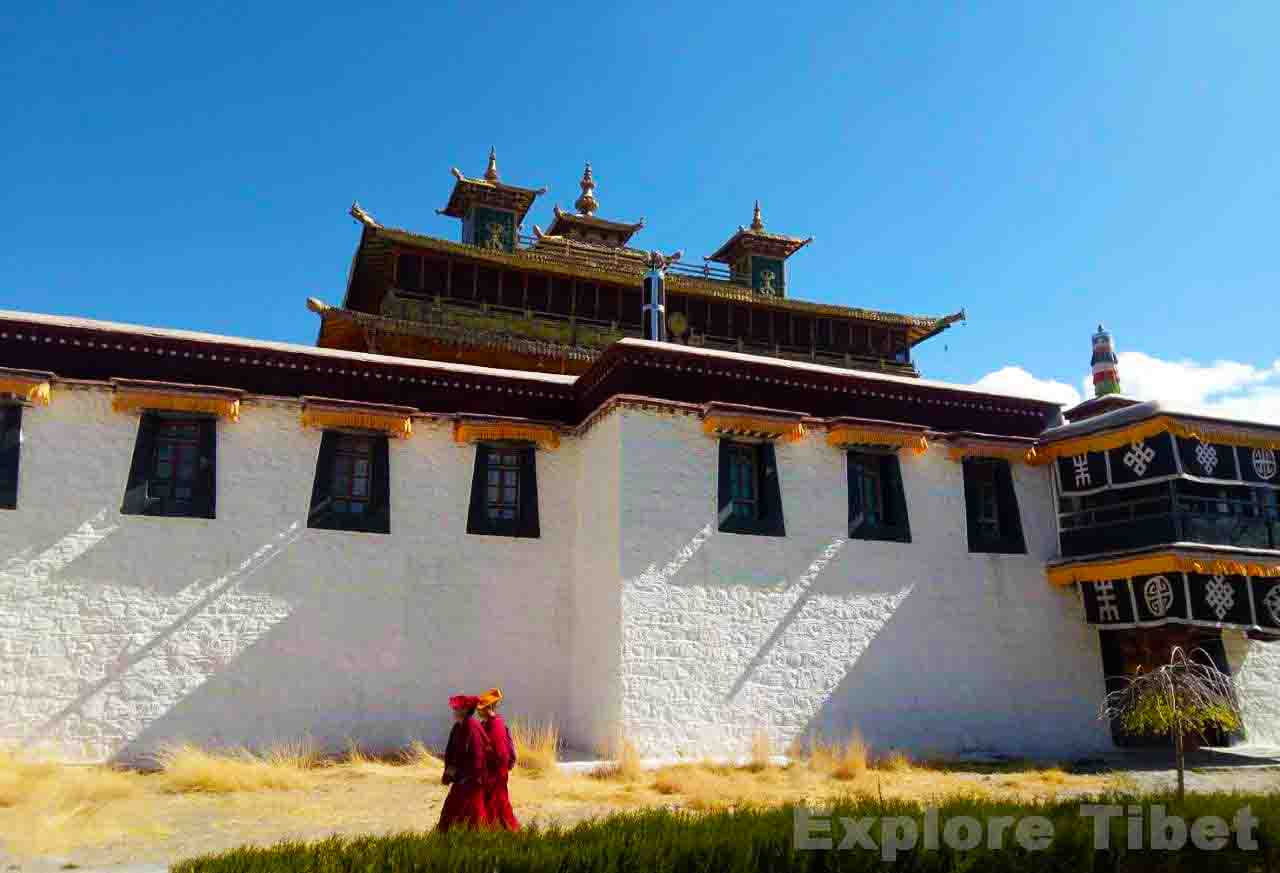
[(465, 759), (502, 758)]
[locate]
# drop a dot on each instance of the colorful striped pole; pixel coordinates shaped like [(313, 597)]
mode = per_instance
[(1106, 368)]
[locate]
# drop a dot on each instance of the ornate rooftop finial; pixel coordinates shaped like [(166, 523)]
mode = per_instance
[(491, 171), (1105, 364), (587, 204), (756, 222)]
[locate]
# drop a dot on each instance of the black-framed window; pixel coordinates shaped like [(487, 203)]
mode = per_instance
[(504, 491), (750, 493), (991, 505), (174, 467), (352, 486), (10, 447), (877, 502)]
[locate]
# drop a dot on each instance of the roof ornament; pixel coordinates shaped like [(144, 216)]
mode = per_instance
[(361, 215), (586, 204), (756, 222), (491, 171), (658, 261)]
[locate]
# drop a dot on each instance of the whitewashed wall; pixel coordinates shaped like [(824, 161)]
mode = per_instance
[(120, 633), (1255, 666), (922, 646), (596, 618)]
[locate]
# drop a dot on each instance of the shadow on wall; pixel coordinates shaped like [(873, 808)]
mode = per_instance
[(273, 650), (947, 675)]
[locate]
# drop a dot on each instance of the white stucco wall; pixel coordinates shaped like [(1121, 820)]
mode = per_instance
[(631, 613), (120, 633), (922, 646), (1255, 667), (596, 616)]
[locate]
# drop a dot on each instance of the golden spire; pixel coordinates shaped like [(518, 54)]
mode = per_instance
[(756, 222), (491, 171), (587, 204)]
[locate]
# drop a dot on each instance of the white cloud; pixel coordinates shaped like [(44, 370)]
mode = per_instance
[(1224, 388), (1017, 381)]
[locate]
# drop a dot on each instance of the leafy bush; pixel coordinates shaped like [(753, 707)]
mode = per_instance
[(751, 840)]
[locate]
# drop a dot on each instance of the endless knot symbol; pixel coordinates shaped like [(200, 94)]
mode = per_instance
[(1207, 455), (1272, 603), (1264, 463), (1139, 457), (1081, 464), (1219, 596), (1159, 595), (1108, 608)]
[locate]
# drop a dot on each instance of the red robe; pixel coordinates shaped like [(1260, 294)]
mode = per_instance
[(502, 757), (465, 758)]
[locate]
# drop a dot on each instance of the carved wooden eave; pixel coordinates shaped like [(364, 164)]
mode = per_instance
[(27, 386), (144, 395), (329, 412), (732, 419)]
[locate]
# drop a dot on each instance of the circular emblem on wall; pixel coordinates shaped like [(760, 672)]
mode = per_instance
[(678, 323), (1158, 592), (1264, 463), (1272, 603)]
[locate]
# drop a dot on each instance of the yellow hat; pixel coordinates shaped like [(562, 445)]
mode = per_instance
[(489, 698)]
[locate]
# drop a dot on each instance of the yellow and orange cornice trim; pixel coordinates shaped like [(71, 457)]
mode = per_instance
[(29, 386), (1161, 562), (326, 412), (136, 395), (729, 419), (482, 429), (961, 446), (1208, 432), (843, 432)]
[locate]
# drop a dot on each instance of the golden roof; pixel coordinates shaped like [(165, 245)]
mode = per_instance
[(757, 240), (489, 191)]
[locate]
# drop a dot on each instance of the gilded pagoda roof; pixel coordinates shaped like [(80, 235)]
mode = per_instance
[(565, 223), (563, 218), (490, 191), (757, 240)]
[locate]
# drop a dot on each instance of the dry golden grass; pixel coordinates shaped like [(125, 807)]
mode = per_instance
[(624, 761), (219, 799), (187, 768), (51, 807), (761, 752), (537, 746), (842, 762)]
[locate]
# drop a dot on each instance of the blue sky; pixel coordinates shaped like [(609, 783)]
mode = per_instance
[(1044, 166)]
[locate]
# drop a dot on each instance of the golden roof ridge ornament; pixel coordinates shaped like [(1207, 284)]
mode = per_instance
[(756, 222), (491, 171), (587, 204)]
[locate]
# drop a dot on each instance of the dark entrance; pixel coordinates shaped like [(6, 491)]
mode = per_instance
[(1124, 651)]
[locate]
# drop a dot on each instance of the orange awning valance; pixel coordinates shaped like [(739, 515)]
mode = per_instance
[(31, 386), (477, 430), (135, 395), (323, 412)]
